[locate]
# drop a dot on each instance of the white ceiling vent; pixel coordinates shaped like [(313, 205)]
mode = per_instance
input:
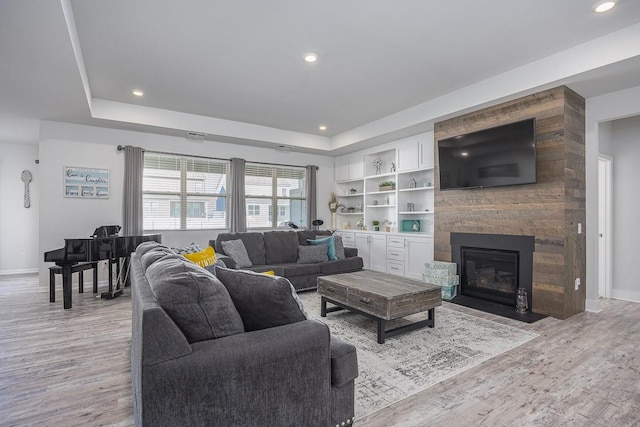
[(196, 135)]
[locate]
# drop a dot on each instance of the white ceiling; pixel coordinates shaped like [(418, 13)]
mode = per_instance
[(241, 61)]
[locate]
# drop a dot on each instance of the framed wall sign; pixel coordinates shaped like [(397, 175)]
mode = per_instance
[(86, 183)]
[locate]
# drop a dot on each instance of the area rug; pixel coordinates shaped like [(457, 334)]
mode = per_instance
[(411, 362)]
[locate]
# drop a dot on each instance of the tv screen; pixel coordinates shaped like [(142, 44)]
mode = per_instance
[(500, 156)]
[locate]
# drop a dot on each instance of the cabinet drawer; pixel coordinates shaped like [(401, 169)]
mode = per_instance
[(395, 242), (364, 301), (338, 293), (348, 239), (395, 267), (395, 254)]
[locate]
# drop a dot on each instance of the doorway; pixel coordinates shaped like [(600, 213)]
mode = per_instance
[(605, 226)]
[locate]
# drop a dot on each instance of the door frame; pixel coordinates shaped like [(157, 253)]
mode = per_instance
[(605, 236)]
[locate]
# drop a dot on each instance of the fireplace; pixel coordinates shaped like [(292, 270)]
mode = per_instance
[(490, 274), (493, 266)]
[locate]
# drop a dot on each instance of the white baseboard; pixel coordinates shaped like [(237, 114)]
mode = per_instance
[(633, 296), (20, 271), (592, 305)]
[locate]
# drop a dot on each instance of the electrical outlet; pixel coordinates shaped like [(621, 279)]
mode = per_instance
[(577, 283), (579, 228)]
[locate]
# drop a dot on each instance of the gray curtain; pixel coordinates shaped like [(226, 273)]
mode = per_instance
[(237, 209), (312, 213), (133, 168)]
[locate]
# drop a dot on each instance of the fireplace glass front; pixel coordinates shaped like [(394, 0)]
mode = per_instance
[(490, 274)]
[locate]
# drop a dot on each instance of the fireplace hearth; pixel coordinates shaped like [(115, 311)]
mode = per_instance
[(492, 268)]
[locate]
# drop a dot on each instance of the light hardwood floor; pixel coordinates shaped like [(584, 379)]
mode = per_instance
[(71, 367)]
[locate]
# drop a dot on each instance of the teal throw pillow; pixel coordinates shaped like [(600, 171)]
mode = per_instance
[(331, 244)]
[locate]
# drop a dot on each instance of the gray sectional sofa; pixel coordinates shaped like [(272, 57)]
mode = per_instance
[(278, 251), (234, 349)]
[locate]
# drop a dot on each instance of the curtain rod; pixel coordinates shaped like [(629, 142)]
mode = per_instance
[(121, 148)]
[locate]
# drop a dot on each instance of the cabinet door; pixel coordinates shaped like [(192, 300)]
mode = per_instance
[(356, 167), (425, 150), (418, 250), (378, 252), (408, 155), (341, 169), (362, 243)]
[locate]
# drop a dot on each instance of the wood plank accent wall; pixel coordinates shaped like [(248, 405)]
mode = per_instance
[(549, 210)]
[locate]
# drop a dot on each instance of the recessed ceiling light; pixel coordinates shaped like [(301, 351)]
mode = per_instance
[(464, 154), (604, 6), (322, 127), (137, 92), (310, 57)]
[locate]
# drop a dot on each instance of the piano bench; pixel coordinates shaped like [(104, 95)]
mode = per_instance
[(76, 268)]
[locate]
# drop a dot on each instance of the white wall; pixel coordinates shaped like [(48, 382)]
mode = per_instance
[(625, 145), (85, 146), (599, 111), (18, 225)]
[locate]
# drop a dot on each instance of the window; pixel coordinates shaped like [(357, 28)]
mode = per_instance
[(184, 193), (253, 210), (275, 195)]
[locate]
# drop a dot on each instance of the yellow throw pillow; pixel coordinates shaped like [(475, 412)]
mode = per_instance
[(203, 258), (269, 273)]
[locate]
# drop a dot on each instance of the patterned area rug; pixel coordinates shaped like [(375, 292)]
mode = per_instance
[(411, 362)]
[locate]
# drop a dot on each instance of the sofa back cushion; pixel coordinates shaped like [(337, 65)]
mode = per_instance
[(281, 247), (262, 301), (194, 299), (253, 242), (304, 235)]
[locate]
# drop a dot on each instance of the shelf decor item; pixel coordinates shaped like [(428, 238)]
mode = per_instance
[(377, 163), (386, 186), (376, 225), (353, 191), (333, 207)]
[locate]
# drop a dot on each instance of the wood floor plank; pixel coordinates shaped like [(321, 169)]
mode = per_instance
[(71, 368)]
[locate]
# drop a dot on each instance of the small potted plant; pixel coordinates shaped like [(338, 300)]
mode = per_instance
[(376, 225), (386, 186)]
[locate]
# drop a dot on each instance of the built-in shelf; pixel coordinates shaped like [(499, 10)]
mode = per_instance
[(350, 195), (416, 189), (416, 213), (350, 213), (381, 206), (382, 192)]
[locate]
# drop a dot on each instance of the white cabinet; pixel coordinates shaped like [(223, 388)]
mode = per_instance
[(372, 247), (348, 167), (348, 238), (416, 152), (356, 167), (417, 251)]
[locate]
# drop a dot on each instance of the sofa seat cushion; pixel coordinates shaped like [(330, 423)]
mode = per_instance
[(194, 299), (262, 301), (278, 270), (280, 247), (344, 362), (295, 270), (344, 265), (253, 242)]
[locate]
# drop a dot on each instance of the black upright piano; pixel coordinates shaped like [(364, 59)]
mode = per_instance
[(92, 249)]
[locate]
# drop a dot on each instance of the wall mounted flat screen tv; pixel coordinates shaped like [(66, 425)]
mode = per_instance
[(496, 157)]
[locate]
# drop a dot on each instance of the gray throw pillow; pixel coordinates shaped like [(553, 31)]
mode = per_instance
[(262, 301), (236, 250), (312, 254), (194, 299)]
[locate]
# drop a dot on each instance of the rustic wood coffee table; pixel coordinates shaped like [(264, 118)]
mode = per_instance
[(381, 297)]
